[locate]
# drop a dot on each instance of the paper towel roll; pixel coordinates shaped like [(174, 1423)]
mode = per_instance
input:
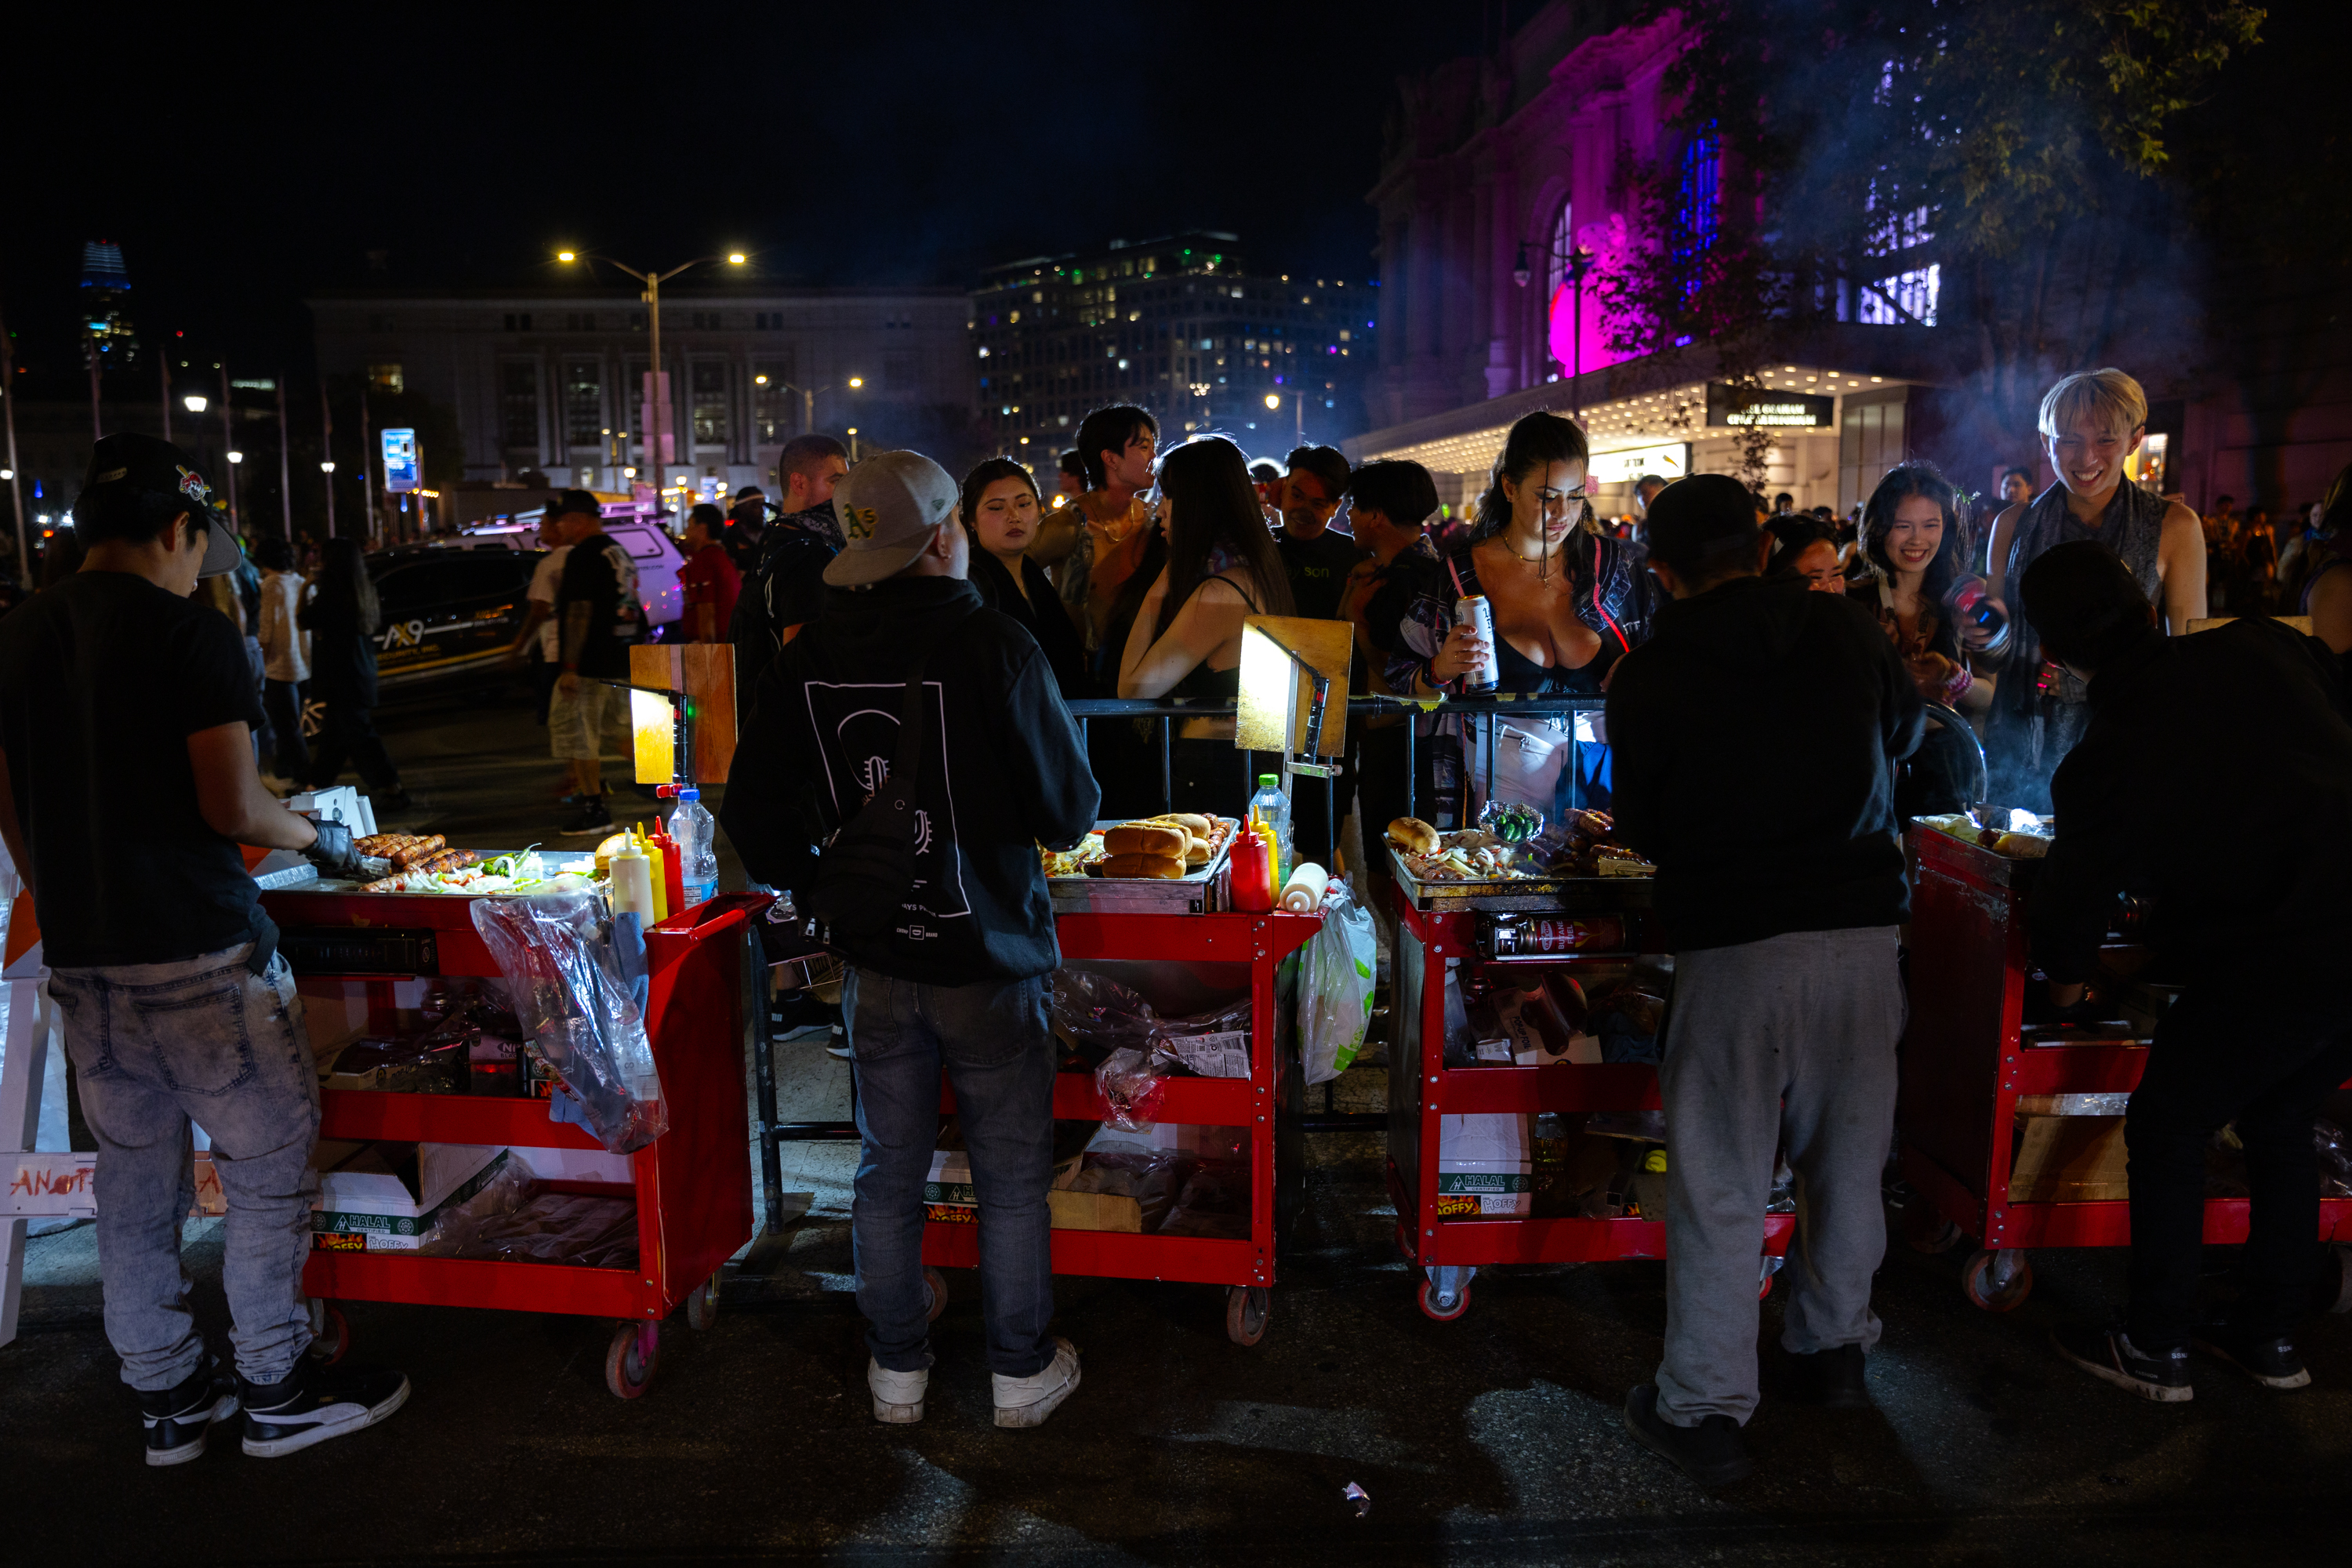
[(1303, 894)]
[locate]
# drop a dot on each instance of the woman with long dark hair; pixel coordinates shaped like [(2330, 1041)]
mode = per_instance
[(1568, 602), (1187, 638), (1001, 512), (1915, 536), (343, 617)]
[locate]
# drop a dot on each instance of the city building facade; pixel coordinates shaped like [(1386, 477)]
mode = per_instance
[(1181, 326), (555, 383)]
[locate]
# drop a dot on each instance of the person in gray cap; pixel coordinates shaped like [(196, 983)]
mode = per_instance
[(1781, 900), (128, 781), (944, 919)]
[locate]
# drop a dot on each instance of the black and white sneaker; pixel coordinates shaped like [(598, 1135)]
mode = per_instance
[(312, 1404), (179, 1419), (2109, 1354), (2269, 1359), (596, 817)]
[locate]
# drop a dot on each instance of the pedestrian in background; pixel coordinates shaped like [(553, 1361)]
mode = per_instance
[(1000, 509), (285, 657), (538, 633), (785, 589), (1317, 557), (343, 617), (708, 578), (598, 618), (739, 532)]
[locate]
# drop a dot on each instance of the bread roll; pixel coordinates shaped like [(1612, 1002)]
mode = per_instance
[(1197, 855), (1145, 838), (1191, 822), (1414, 835), (1169, 866)]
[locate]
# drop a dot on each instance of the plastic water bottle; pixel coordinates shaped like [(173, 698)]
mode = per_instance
[(697, 853), (1271, 806)]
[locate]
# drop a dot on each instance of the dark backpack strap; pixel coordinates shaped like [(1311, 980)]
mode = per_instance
[(908, 764)]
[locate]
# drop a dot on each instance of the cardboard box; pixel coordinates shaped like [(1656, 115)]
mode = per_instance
[(385, 1197), (1485, 1165), (2069, 1160)]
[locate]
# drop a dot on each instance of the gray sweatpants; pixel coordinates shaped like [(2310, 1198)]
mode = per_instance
[(1786, 1043)]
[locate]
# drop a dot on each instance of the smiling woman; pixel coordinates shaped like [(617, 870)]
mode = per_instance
[(1000, 510)]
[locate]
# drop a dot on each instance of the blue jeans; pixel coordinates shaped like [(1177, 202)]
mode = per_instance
[(993, 1042), (155, 1046)]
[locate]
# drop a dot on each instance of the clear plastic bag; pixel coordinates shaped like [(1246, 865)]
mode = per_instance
[(1335, 997), (515, 1220), (1131, 1088), (569, 995)]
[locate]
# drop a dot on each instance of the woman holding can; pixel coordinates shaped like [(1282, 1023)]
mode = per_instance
[(1566, 601)]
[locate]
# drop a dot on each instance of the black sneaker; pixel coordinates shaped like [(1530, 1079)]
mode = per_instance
[(594, 816), (2108, 1353), (178, 1419), (1831, 1379), (1712, 1452), (2269, 1360), (312, 1404)]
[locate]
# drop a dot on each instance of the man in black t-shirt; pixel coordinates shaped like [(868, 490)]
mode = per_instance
[(597, 619), (127, 783), (1317, 559)]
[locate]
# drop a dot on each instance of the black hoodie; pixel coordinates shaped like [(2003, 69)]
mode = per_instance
[(1753, 740), (1003, 772)]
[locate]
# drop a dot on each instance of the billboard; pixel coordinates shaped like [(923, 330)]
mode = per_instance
[(403, 465)]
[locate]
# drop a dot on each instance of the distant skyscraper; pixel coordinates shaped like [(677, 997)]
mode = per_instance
[(105, 298)]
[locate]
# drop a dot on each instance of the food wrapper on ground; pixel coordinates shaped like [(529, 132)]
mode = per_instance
[(570, 995)]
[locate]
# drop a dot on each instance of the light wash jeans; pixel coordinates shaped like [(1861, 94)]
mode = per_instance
[(998, 1051), (1786, 1043), (202, 1039)]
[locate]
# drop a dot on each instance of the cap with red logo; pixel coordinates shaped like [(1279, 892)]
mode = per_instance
[(142, 462)]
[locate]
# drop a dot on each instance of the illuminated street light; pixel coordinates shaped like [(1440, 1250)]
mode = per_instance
[(236, 457), (735, 257), (6, 475), (197, 402), (1273, 400), (857, 381), (563, 256), (651, 297), (326, 468)]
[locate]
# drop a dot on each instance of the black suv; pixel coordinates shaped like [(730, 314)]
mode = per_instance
[(449, 614)]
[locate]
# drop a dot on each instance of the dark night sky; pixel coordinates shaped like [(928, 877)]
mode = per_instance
[(241, 162)]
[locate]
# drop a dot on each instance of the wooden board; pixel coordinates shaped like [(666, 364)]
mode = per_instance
[(705, 673), (1329, 647)]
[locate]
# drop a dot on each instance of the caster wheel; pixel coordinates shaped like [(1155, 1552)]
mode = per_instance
[(702, 1304), (629, 1364), (1998, 1282), (1765, 1273), (330, 1333), (937, 1283), (1247, 1307), (1439, 1309)]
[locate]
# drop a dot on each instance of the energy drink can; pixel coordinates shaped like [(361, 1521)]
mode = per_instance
[(1473, 611)]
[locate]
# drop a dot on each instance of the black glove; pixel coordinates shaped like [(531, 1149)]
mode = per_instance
[(333, 854)]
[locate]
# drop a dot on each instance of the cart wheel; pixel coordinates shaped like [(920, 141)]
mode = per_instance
[(629, 1364), (1247, 1307), (937, 1284), (1998, 1282), (330, 1333), (1438, 1308), (702, 1304), (1764, 1274)]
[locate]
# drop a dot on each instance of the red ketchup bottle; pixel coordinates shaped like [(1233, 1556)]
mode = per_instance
[(673, 873), (1250, 870)]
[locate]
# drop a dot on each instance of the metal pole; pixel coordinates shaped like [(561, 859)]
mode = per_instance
[(229, 445), (97, 424), (367, 468), (285, 462), (654, 392), (327, 452), (1576, 349), (16, 476), (163, 375)]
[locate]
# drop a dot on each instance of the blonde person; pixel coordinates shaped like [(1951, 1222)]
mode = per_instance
[(2090, 423)]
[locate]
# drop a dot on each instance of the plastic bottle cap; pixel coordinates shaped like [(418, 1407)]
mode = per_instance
[(689, 793), (1269, 781)]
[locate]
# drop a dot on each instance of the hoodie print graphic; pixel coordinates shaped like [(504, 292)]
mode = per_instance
[(857, 726)]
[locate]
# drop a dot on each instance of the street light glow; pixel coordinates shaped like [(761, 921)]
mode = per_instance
[(857, 381), (1273, 400), (735, 257), (236, 457), (197, 402), (6, 475), (758, 381), (563, 256), (326, 468)]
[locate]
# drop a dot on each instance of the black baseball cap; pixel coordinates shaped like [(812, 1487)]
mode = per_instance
[(570, 502), (1699, 524), (134, 461)]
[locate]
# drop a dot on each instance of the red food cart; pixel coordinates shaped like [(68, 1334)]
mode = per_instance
[(1969, 1057), (691, 1186), (1437, 928)]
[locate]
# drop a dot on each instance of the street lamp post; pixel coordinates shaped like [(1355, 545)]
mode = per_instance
[(285, 462), (327, 452), (196, 403), (808, 396), (651, 297), (15, 485), (229, 454), (163, 375), (1575, 262)]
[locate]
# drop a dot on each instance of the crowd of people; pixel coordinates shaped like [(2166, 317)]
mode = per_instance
[(1768, 695)]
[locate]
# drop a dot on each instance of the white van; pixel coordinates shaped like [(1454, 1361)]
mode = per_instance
[(637, 531)]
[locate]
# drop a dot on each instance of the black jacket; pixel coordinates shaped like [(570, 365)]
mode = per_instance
[(1753, 740), (342, 655), (2216, 777), (1041, 614), (1004, 772)]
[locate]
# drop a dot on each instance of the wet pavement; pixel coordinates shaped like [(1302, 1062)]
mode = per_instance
[(1493, 1438)]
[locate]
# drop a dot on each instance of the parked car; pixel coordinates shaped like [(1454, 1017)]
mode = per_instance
[(450, 612), (635, 530)]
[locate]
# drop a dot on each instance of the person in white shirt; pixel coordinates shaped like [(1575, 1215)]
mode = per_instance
[(285, 659), (538, 623)]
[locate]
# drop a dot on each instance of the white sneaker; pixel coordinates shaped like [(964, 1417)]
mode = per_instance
[(898, 1395), (1027, 1401)]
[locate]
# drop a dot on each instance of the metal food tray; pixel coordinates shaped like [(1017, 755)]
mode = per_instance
[(1566, 894), (1205, 892), (349, 889)]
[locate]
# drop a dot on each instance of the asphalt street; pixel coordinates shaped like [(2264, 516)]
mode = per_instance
[(1493, 1438)]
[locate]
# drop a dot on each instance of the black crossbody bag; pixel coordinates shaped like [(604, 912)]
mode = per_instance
[(868, 867)]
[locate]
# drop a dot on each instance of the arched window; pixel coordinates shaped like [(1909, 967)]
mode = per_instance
[(1563, 238)]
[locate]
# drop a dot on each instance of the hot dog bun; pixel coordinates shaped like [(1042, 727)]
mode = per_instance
[(1147, 838), (1169, 866), (1414, 835)]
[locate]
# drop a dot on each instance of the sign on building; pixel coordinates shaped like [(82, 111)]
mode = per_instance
[(1669, 460), (403, 465), (1779, 410)]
